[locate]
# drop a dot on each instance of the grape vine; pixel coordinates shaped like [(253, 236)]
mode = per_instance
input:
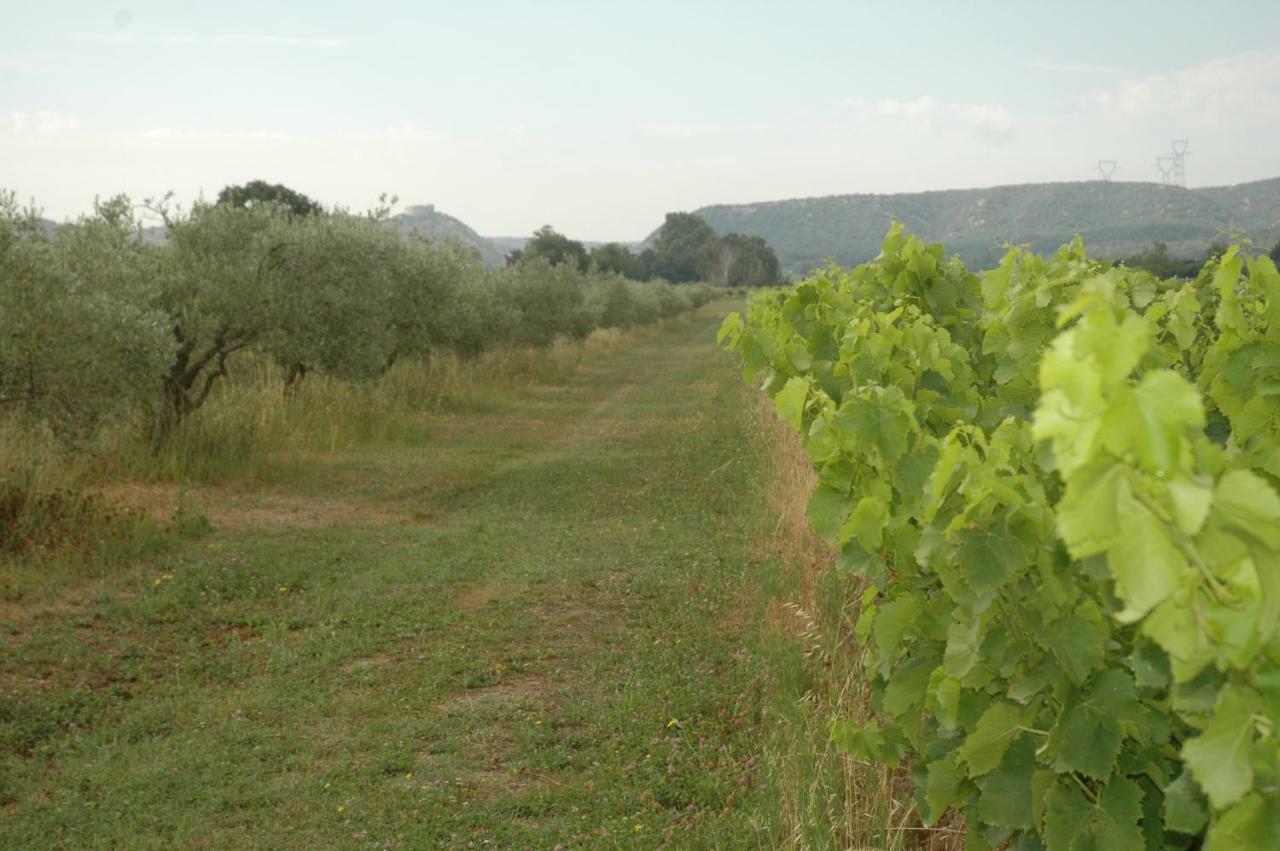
[(1058, 481)]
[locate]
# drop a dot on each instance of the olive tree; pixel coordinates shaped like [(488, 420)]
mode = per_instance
[(334, 295), (221, 289), (437, 301), (80, 338), (550, 301)]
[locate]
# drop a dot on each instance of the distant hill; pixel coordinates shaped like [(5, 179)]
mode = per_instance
[(1116, 220), (424, 220)]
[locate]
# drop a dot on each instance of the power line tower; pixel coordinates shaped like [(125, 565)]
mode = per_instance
[(1164, 163), (1106, 168), (1179, 154)]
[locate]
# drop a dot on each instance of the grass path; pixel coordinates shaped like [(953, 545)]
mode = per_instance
[(535, 629)]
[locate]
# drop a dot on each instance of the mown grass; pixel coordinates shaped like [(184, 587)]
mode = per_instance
[(535, 622)]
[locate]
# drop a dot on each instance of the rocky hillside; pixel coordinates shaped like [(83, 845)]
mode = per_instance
[(425, 221)]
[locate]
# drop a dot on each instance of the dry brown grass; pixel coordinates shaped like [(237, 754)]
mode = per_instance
[(238, 509), (861, 805)]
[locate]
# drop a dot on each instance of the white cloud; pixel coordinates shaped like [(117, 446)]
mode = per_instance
[(43, 123), (990, 125), (1245, 85), (922, 108)]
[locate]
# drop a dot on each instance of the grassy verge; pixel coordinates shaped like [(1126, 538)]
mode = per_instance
[(825, 799), (535, 623)]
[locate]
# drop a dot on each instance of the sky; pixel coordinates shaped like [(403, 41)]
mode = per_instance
[(599, 117)]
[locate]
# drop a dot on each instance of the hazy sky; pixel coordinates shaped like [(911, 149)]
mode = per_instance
[(598, 117)]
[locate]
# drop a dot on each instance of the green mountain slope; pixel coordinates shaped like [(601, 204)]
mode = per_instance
[(1116, 219)]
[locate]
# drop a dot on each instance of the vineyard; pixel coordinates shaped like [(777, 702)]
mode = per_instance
[(1055, 484)]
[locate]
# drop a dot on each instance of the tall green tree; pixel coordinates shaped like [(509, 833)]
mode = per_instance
[(738, 260), (556, 248), (1275, 253), (680, 252), (616, 259), (259, 191)]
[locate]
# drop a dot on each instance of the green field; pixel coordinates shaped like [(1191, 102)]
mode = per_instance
[(536, 626)]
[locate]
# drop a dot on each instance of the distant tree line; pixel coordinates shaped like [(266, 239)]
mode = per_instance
[(1158, 261), (686, 249)]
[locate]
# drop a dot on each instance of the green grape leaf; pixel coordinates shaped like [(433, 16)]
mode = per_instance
[(988, 557), (985, 747), (1072, 822), (1117, 348), (1219, 758), (975, 840), (1252, 370), (1225, 279), (1005, 793), (1250, 825), (1152, 419), (828, 509), (1089, 733), (791, 400), (913, 471), (1041, 783), (1152, 813), (799, 358), (1145, 563), (1173, 625), (941, 787), (893, 619), (866, 524), (1090, 520), (908, 686), (731, 330), (1077, 645), (875, 423), (964, 637), (1065, 419), (1248, 503), (1191, 503), (864, 741), (1150, 666), (1185, 807), (944, 698)]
